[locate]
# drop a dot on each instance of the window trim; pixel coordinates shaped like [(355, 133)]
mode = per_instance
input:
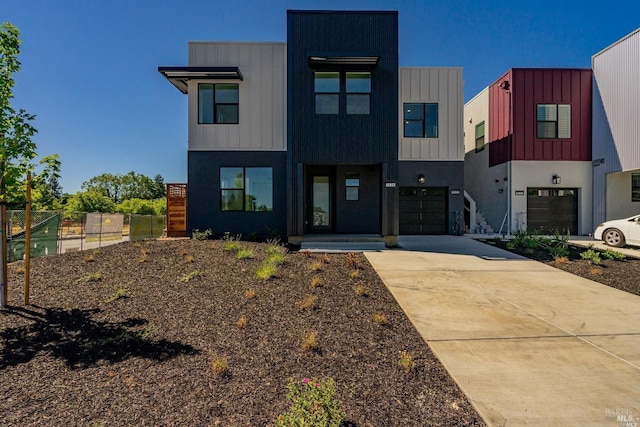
[(560, 109), (216, 104), (243, 189), (343, 94), (316, 93), (480, 147), (423, 120)]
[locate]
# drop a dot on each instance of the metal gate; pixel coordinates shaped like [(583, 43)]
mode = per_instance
[(423, 210)]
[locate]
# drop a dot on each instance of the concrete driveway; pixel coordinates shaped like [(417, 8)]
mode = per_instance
[(527, 343)]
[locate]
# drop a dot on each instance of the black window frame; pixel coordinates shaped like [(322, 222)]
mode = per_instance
[(556, 121), (216, 105), (343, 93), (243, 189), (635, 187), (423, 122)]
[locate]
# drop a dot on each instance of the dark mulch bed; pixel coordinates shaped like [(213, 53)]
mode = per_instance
[(623, 275), (76, 356)]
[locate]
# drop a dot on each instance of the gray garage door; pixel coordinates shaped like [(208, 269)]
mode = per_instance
[(423, 210), (551, 210)]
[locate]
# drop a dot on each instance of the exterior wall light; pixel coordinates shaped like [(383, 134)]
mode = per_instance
[(555, 179), (421, 179)]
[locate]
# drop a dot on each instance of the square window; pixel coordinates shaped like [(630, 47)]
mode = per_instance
[(420, 120), (553, 121), (218, 103), (327, 104), (246, 189), (358, 104)]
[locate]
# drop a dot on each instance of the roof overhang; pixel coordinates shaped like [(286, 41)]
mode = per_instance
[(180, 76), (324, 60)]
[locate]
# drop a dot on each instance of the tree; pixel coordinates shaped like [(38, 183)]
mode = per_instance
[(46, 192), (88, 201), (128, 186), (17, 150)]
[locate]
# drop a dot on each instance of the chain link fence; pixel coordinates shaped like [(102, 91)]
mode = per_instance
[(50, 234)]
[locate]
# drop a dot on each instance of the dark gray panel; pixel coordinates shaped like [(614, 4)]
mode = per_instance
[(204, 192)]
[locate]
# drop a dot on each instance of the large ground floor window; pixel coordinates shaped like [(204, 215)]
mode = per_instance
[(246, 189)]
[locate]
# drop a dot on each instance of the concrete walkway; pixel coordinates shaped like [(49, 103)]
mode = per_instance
[(527, 343)]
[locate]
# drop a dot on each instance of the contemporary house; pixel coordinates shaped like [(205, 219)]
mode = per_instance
[(323, 134), (528, 151), (616, 130)]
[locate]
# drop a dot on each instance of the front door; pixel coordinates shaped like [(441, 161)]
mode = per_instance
[(321, 206)]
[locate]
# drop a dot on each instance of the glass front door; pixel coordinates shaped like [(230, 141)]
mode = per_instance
[(321, 202)]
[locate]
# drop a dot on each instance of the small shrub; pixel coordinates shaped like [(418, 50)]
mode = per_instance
[(250, 294), (305, 254), (91, 277), (362, 291), (242, 322), (232, 246), (89, 258), (308, 303), (613, 255), (189, 259), (245, 254), (188, 276), (596, 270), (266, 271), (145, 251), (593, 257), (276, 258), (310, 341), (201, 235), (558, 251), (353, 261), (313, 404), (143, 258), (562, 260), (316, 282), (354, 274), (316, 266), (219, 366), (325, 259), (119, 292), (380, 318), (406, 361)]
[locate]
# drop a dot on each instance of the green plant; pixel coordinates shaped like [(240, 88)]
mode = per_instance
[(316, 266), (354, 274), (232, 246), (380, 318), (188, 276), (219, 365), (613, 255), (90, 277), (316, 282), (119, 292), (406, 361), (313, 404), (243, 253), (201, 235), (266, 270), (593, 257), (558, 251)]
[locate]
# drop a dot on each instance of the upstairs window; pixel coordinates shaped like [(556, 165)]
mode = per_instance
[(327, 90), (358, 89), (420, 120), (217, 103), (479, 137), (553, 121), (246, 189)]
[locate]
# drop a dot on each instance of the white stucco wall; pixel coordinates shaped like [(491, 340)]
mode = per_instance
[(534, 174), (619, 204)]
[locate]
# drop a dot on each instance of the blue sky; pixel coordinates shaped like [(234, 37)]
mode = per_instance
[(89, 68)]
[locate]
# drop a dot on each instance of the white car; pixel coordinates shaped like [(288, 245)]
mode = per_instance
[(619, 232)]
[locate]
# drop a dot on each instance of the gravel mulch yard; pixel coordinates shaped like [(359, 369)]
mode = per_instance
[(137, 333), (623, 275)]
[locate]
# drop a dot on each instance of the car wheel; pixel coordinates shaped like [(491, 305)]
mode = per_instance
[(614, 237)]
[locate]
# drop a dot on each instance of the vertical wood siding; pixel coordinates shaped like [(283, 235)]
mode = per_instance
[(262, 107), (530, 87), (438, 85)]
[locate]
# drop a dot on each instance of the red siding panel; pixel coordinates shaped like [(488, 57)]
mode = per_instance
[(529, 87)]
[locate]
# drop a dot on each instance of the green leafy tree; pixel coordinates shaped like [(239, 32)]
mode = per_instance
[(143, 207), (88, 201), (17, 150), (124, 187)]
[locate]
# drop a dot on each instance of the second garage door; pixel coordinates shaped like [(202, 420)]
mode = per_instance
[(423, 210), (552, 210)]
